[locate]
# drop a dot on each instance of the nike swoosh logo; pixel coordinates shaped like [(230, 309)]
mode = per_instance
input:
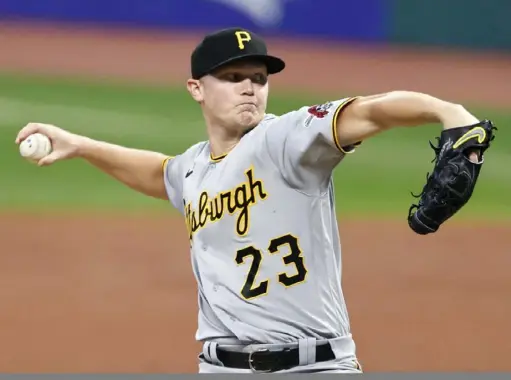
[(477, 133), (188, 173)]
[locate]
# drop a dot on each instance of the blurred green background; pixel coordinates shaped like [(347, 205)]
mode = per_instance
[(375, 181)]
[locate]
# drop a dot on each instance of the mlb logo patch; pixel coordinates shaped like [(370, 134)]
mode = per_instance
[(321, 110)]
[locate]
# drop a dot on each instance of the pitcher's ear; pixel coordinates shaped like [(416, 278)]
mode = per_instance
[(195, 89)]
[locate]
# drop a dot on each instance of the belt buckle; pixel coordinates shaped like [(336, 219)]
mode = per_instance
[(251, 360)]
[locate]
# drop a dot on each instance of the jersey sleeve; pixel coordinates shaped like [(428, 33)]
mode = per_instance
[(174, 181), (304, 145)]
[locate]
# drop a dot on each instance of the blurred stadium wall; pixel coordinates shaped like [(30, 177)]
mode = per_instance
[(465, 24)]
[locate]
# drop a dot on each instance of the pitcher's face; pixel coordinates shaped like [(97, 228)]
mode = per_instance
[(235, 95)]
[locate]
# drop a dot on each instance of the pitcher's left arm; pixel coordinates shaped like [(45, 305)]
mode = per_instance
[(367, 116), (458, 156)]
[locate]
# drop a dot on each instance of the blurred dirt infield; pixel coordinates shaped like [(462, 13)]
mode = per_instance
[(116, 294)]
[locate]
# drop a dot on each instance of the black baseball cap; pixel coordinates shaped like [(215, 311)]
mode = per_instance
[(231, 45)]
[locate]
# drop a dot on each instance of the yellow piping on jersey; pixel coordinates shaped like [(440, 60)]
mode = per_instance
[(164, 163), (217, 158), (334, 126)]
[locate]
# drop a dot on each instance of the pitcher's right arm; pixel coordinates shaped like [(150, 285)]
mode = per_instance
[(141, 170)]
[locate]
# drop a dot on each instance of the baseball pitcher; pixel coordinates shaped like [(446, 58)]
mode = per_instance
[(258, 201)]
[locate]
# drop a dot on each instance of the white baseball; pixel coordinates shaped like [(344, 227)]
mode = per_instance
[(35, 147)]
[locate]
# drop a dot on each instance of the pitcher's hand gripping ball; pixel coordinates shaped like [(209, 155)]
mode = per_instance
[(35, 147), (454, 176)]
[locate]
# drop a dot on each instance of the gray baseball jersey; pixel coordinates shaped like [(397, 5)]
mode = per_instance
[(264, 239)]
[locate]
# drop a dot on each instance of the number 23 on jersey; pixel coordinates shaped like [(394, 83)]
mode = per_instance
[(297, 272)]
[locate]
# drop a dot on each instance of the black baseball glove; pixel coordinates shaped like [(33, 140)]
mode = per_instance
[(454, 176)]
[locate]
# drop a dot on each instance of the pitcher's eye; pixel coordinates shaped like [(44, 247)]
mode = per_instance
[(260, 79), (232, 77)]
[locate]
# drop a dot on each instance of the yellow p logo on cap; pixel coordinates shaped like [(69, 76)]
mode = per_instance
[(242, 37)]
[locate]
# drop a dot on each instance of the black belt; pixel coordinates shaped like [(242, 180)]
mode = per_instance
[(270, 361)]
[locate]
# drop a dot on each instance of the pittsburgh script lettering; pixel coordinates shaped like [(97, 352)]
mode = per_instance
[(240, 198)]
